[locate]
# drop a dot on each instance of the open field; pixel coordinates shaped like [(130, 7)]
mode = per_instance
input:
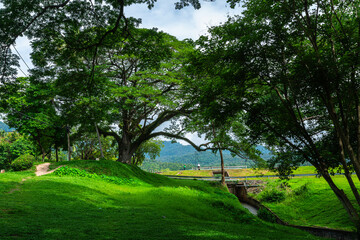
[(237, 172), (309, 201), (131, 204)]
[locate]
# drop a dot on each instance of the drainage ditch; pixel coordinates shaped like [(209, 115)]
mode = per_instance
[(239, 190)]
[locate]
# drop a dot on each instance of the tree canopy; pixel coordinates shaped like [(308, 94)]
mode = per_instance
[(290, 69)]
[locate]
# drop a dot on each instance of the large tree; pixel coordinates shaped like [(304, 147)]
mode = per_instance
[(128, 89), (292, 69), (71, 41), (28, 18)]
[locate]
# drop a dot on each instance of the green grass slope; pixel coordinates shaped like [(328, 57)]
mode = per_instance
[(310, 202), (148, 207)]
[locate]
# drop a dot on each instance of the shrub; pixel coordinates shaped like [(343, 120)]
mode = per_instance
[(272, 195), (266, 215), (301, 190), (22, 163)]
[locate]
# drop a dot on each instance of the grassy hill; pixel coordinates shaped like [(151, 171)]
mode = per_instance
[(123, 202)]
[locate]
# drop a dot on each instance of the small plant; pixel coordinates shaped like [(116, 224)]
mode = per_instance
[(266, 215), (272, 195), (22, 163), (301, 190)]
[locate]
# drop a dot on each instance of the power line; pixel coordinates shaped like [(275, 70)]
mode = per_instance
[(23, 72), (21, 56)]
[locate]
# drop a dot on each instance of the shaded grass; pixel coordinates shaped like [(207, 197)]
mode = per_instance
[(310, 202), (51, 207), (11, 180)]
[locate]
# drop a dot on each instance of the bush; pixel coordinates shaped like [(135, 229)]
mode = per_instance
[(301, 190), (22, 163), (272, 195), (266, 215)]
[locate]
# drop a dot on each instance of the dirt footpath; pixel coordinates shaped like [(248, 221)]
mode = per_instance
[(43, 169)]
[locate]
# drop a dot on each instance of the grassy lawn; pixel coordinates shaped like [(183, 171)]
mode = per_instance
[(237, 172), (309, 201), (148, 207)]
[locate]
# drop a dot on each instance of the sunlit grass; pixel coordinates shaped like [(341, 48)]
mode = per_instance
[(51, 207), (317, 205), (237, 172)]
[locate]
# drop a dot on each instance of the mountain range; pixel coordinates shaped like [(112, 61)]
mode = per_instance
[(175, 155), (5, 127)]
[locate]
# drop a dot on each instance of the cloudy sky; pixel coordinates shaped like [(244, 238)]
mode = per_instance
[(184, 23)]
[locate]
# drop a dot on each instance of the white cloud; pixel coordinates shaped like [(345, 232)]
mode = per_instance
[(184, 23)]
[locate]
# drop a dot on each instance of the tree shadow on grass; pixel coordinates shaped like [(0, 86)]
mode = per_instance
[(51, 209)]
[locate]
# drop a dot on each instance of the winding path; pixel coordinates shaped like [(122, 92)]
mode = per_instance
[(41, 169)]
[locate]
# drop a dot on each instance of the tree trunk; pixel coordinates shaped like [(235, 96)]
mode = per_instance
[(125, 149), (43, 153), (69, 148), (343, 198), (57, 153), (124, 155), (347, 172), (98, 135), (222, 167), (221, 158)]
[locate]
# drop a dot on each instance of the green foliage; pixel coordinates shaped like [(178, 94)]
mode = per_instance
[(302, 190), (150, 149), (13, 145), (30, 108), (272, 195), (23, 162), (266, 215), (285, 72)]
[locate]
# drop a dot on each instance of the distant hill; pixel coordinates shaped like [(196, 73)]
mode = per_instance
[(5, 127), (186, 154)]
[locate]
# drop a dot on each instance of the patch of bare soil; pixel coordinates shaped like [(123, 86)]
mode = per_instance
[(43, 169)]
